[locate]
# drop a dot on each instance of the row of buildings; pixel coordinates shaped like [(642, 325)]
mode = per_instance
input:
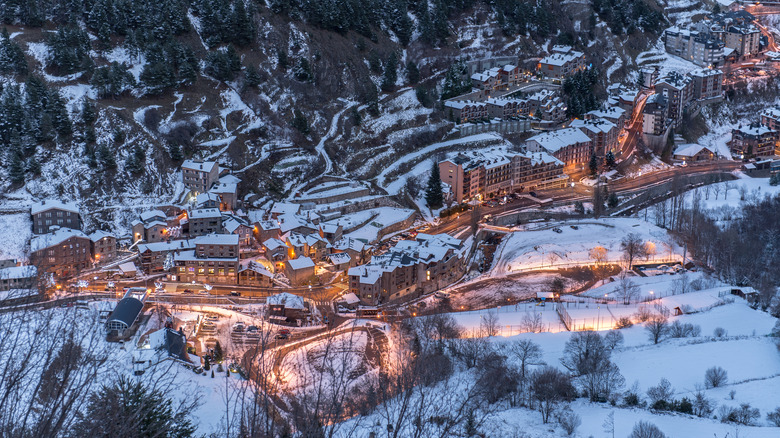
[(410, 268), (545, 105), (712, 42)]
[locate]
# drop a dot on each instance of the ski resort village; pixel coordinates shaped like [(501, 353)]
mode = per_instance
[(387, 218)]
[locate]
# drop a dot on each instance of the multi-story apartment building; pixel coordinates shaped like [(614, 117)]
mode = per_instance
[(502, 108), (770, 118), (152, 226), (562, 63), (753, 141), (204, 221), (707, 83), (52, 213), (570, 145), (63, 252), (654, 115), (462, 111), (744, 39), (213, 261), (103, 246), (602, 133), (614, 114), (472, 175), (411, 267), (677, 89), (198, 176), (701, 48)]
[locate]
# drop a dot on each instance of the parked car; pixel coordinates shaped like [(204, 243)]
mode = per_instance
[(532, 193), (574, 227), (187, 291), (557, 230), (235, 294)]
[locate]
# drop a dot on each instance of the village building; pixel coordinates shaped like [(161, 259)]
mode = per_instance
[(204, 221), (570, 145), (103, 246), (159, 346), (152, 226), (18, 277), (356, 249), (52, 213), (753, 140), (602, 133), (340, 261), (286, 308), (228, 195), (299, 271), (199, 176), (504, 108), (691, 153), (654, 115), (614, 114), (153, 256), (462, 111), (707, 84), (255, 274), (701, 48), (213, 261), (277, 252), (410, 268), (64, 252), (562, 63), (237, 225), (770, 118), (207, 200)]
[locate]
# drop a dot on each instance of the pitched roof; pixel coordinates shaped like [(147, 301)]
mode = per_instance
[(205, 213), (99, 234), (272, 244), (203, 166), (288, 300), (690, 150), (301, 263), (15, 272), (554, 141), (148, 215), (216, 239), (48, 204), (43, 241), (167, 246)]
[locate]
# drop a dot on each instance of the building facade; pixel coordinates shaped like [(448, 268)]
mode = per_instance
[(199, 176), (51, 213)]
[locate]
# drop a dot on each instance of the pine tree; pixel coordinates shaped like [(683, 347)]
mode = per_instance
[(412, 73), (390, 74), (106, 157), (302, 70), (212, 374), (433, 194), (610, 158), (87, 112), (243, 29), (282, 61), (33, 166), (175, 152), (300, 122), (252, 77), (218, 352), (593, 164), (16, 167)]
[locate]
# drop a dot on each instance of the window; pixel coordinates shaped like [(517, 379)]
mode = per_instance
[(201, 270)]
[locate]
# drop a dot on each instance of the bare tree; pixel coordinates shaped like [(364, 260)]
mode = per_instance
[(527, 353), (489, 325), (569, 420), (532, 323), (609, 424), (702, 405), (715, 377), (681, 284), (613, 339), (626, 289), (550, 388), (644, 429), (633, 248), (588, 358), (598, 254), (657, 328), (663, 392)]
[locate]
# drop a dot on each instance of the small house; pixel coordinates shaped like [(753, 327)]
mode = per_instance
[(300, 270), (286, 308)]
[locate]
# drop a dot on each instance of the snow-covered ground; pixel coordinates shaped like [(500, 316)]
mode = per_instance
[(14, 235), (539, 247)]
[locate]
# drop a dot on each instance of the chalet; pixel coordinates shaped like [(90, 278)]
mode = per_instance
[(236, 225), (207, 200), (199, 176), (63, 252), (277, 252), (691, 153), (287, 308), (340, 261), (562, 63), (255, 274), (300, 271), (228, 195), (159, 346), (103, 246), (486, 82), (52, 213), (152, 226)]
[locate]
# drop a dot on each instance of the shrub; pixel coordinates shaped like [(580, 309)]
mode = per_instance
[(744, 414), (715, 377), (624, 322), (644, 429), (774, 417), (662, 392), (684, 330), (569, 421), (720, 332)]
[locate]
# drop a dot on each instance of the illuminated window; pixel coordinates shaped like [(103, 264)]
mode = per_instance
[(201, 270)]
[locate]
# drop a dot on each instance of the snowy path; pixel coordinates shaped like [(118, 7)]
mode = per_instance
[(320, 148)]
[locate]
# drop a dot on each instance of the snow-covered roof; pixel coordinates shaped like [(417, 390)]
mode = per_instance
[(224, 188), (43, 241), (16, 272), (258, 268), (148, 215), (772, 113), (560, 59), (206, 197), (554, 141), (460, 104), (612, 112), (202, 166), (596, 126), (99, 234), (232, 224), (349, 243), (127, 267), (48, 204), (285, 208), (229, 179), (705, 72), (216, 239), (754, 130), (339, 258), (189, 256), (288, 300), (272, 244), (350, 298), (167, 246), (205, 213), (301, 263), (689, 150), (368, 274)]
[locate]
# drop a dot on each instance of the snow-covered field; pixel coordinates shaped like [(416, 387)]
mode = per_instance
[(539, 247), (14, 235)]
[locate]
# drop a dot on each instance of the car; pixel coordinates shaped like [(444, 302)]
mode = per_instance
[(282, 336), (203, 292), (557, 230), (532, 193), (574, 227), (235, 294), (187, 291)]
